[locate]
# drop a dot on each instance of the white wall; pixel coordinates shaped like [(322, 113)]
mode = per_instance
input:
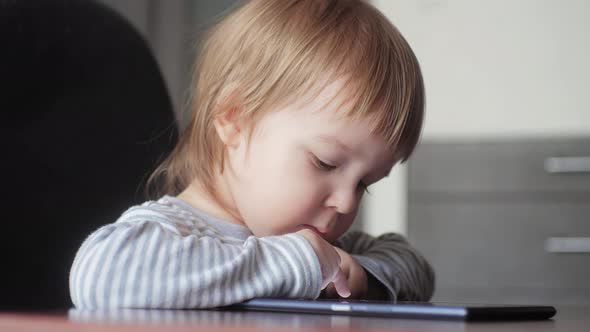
[(492, 70)]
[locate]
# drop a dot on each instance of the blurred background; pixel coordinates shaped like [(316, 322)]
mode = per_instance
[(496, 195)]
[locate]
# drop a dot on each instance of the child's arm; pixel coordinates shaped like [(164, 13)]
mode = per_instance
[(392, 264), (152, 264)]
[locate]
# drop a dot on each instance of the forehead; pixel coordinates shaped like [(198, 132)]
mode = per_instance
[(324, 110), (322, 117)]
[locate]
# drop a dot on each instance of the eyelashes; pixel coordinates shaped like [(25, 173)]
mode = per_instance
[(364, 187), (323, 166)]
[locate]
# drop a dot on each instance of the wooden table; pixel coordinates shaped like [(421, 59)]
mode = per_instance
[(567, 319)]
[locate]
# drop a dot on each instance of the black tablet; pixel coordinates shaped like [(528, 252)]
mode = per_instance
[(414, 310)]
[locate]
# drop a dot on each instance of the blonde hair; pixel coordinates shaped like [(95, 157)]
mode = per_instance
[(267, 50)]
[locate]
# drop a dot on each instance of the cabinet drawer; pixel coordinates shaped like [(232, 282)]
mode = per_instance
[(520, 166), (497, 252)]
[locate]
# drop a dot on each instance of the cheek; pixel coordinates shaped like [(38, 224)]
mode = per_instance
[(296, 199), (279, 194)]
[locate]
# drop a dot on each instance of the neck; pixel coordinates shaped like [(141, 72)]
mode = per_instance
[(219, 205)]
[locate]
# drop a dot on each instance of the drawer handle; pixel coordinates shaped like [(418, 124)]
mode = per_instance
[(567, 245), (567, 165)]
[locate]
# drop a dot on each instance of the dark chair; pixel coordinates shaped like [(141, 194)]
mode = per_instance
[(85, 118)]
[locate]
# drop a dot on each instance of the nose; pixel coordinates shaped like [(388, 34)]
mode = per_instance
[(344, 199)]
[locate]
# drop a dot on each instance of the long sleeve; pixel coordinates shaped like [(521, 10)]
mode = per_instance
[(392, 261), (141, 263)]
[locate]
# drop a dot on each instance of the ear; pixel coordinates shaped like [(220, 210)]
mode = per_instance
[(228, 127)]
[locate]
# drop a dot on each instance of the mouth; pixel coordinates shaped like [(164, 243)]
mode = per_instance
[(315, 230)]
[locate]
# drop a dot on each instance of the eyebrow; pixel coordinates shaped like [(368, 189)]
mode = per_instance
[(335, 141)]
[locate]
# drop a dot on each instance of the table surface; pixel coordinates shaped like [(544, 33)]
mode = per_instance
[(573, 318)]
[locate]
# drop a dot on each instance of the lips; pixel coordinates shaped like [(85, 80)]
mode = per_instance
[(317, 231)]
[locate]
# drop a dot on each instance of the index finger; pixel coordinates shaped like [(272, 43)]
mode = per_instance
[(341, 284)]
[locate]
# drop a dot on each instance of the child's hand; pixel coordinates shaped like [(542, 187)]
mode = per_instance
[(330, 261), (355, 274)]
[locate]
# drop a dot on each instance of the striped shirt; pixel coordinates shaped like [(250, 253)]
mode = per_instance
[(167, 254)]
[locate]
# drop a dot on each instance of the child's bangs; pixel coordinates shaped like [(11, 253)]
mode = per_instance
[(389, 92), (382, 77)]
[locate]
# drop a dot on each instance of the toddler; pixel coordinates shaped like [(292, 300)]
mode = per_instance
[(298, 106)]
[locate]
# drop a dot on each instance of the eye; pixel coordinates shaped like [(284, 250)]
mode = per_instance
[(322, 165)]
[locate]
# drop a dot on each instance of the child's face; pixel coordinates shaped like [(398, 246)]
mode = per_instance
[(296, 174)]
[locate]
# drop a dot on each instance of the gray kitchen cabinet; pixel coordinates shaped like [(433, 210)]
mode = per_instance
[(504, 221)]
